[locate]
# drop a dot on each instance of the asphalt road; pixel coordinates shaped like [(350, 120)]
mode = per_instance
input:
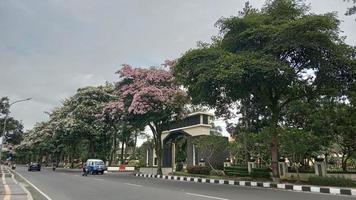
[(70, 185)]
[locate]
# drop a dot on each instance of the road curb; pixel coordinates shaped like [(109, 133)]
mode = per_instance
[(290, 187)]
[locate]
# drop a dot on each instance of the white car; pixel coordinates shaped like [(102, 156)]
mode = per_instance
[(95, 166)]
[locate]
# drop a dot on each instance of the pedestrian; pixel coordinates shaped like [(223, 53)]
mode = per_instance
[(85, 170)]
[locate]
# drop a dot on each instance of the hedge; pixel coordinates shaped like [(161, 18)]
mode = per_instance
[(261, 173), (198, 170), (236, 171), (331, 181)]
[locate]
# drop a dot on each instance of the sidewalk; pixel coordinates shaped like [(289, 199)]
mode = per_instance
[(10, 189)]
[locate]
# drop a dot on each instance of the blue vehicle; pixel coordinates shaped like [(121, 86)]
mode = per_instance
[(95, 166)]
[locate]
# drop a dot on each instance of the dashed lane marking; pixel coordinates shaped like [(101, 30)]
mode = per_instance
[(130, 184), (206, 196)]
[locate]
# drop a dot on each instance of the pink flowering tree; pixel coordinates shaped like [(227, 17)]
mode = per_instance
[(148, 97)]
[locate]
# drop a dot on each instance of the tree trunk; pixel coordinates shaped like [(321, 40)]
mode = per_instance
[(247, 156), (274, 141), (344, 160), (159, 153), (71, 160), (274, 155), (298, 176), (126, 147), (157, 133), (113, 150), (122, 152), (134, 147), (91, 148)]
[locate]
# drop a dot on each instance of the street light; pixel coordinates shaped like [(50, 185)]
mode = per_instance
[(5, 120)]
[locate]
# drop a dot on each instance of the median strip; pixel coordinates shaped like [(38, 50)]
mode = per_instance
[(290, 187)]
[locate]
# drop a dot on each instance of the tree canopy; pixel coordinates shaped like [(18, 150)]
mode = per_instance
[(272, 57), (148, 97)]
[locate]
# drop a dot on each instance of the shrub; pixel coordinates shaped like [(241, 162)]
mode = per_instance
[(301, 170), (133, 163), (179, 167), (261, 173), (341, 172), (217, 173), (331, 181), (198, 170), (236, 171)]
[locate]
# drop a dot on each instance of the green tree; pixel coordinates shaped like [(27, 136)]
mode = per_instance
[(83, 108), (73, 130), (351, 10), (4, 105), (211, 147), (13, 128), (13, 131), (273, 56), (295, 144), (344, 130)]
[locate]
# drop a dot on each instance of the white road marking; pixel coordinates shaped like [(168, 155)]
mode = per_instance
[(133, 185), (205, 196), (98, 179), (7, 195), (45, 195)]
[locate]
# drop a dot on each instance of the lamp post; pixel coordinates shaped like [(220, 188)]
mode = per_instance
[(5, 120)]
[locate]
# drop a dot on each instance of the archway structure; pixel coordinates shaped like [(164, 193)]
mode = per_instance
[(194, 125)]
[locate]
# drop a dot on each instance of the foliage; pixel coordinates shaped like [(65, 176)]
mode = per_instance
[(295, 144), (199, 170), (4, 105), (271, 57), (211, 147), (331, 181), (147, 97), (247, 145), (261, 173), (237, 171), (13, 131), (341, 172), (351, 10), (13, 128), (73, 131), (344, 131)]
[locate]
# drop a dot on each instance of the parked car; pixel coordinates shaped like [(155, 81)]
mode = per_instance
[(34, 166), (95, 166)]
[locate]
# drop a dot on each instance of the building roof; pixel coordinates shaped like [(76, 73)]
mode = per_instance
[(201, 113)]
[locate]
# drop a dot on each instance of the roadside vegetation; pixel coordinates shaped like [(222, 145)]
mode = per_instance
[(281, 77)]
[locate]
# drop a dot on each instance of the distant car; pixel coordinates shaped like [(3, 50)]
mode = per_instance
[(34, 167), (95, 166)]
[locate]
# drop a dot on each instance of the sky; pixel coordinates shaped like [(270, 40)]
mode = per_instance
[(49, 49)]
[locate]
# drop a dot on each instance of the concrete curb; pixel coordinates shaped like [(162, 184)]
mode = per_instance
[(301, 188)]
